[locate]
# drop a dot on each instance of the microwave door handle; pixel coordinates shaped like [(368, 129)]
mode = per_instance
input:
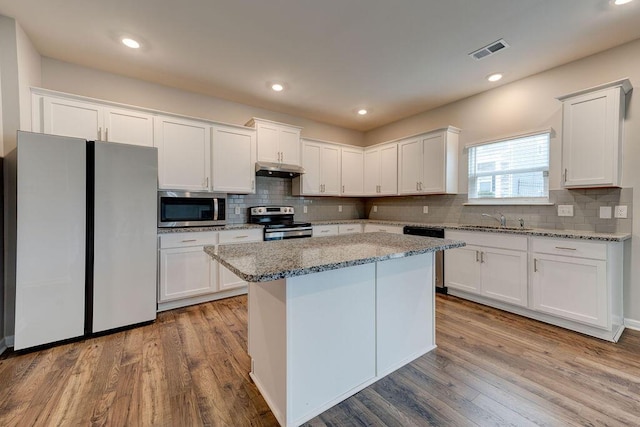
[(215, 209)]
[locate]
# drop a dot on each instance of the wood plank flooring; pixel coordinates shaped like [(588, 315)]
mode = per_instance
[(190, 368)]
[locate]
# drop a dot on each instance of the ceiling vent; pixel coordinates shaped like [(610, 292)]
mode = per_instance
[(489, 50)]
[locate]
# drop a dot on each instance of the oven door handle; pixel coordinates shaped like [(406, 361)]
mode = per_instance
[(215, 209), (277, 230)]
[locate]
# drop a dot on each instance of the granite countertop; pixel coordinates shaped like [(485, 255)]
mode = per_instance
[(272, 260), (211, 228), (535, 232)]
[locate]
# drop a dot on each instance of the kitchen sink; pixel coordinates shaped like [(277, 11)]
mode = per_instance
[(494, 227)]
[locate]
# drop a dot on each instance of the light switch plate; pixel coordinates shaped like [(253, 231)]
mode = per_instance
[(237, 210), (425, 209), (605, 212), (304, 209), (339, 208), (375, 208), (565, 210), (620, 211)]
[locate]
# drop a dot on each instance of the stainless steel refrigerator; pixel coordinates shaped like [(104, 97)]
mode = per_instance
[(82, 216)]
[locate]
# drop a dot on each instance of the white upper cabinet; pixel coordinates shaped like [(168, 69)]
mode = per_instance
[(277, 142), (381, 170), (233, 152), (91, 120), (184, 153), (321, 162), (428, 163), (352, 171), (592, 129)]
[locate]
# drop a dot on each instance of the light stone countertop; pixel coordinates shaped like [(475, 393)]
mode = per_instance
[(535, 232), (211, 228), (272, 260)]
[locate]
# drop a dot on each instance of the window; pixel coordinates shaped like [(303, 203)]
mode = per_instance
[(512, 170)]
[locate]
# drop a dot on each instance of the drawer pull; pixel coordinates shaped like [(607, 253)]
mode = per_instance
[(189, 240), (241, 237), (324, 231), (535, 265), (477, 256), (565, 248)]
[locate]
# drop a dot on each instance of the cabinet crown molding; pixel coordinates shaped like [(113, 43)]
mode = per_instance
[(624, 84)]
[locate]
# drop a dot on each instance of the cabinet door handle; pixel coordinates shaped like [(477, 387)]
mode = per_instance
[(99, 133), (481, 257), (253, 184), (477, 256), (566, 248), (535, 265), (206, 184), (189, 240), (241, 237), (420, 185), (106, 134), (343, 188), (565, 174)]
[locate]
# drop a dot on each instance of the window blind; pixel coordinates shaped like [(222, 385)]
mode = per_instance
[(515, 168)]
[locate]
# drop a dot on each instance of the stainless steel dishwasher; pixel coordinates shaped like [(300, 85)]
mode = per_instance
[(439, 260)]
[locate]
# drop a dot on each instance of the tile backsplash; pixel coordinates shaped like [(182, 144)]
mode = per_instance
[(442, 208), (277, 191), (452, 209)]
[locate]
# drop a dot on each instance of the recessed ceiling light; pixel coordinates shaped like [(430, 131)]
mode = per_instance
[(619, 2), (128, 42), (277, 87), (362, 112), (494, 77)]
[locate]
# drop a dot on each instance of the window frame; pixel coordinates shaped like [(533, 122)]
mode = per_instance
[(542, 200)]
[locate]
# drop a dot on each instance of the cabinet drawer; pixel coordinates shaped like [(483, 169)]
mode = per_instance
[(183, 240), (372, 228), (489, 239), (568, 247), (349, 228), (325, 230), (242, 235)]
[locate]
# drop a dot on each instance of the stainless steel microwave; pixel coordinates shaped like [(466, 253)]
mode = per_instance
[(191, 209)]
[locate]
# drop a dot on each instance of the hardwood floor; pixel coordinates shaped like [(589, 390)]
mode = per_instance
[(190, 368)]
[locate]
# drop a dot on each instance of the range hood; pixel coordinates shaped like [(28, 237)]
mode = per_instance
[(278, 170)]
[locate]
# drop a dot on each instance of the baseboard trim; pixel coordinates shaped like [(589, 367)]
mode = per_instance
[(632, 324), (3, 346)]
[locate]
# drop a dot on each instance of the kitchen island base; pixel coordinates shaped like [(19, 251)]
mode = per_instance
[(317, 339)]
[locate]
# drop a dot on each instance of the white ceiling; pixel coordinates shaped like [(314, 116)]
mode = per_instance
[(394, 57)]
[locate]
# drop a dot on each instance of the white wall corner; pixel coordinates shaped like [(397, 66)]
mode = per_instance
[(632, 324)]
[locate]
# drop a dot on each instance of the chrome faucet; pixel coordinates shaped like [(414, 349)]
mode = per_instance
[(502, 220)]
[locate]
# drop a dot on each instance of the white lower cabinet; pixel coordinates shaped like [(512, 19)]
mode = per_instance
[(228, 280), (349, 228), (372, 228), (325, 230), (188, 275), (185, 269), (497, 270), (571, 286), (569, 283)]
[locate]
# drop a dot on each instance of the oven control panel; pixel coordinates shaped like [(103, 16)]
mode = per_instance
[(272, 210)]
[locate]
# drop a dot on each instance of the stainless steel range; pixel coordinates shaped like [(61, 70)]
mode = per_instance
[(278, 222)]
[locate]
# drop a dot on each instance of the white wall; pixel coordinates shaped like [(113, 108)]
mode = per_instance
[(66, 77), (29, 74), (530, 104)]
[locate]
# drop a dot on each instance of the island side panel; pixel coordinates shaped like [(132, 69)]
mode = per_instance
[(331, 338), (267, 343), (405, 311)]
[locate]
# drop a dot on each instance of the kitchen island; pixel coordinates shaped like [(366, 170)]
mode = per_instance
[(329, 316)]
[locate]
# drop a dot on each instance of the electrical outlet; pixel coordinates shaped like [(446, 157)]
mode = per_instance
[(304, 209), (339, 208), (605, 212), (565, 210), (375, 208), (620, 211), (237, 210), (425, 209)]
